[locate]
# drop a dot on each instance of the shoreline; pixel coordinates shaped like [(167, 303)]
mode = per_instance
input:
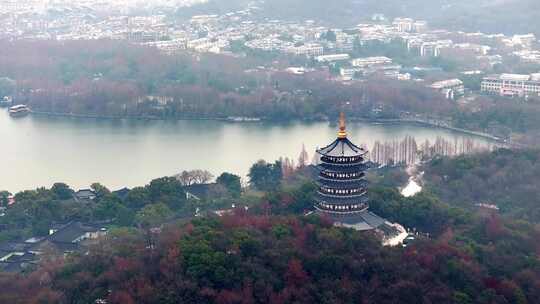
[(248, 120), (91, 116), (431, 124)]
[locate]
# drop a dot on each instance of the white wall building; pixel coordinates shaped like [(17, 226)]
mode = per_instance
[(420, 26), (308, 49), (404, 24), (433, 49), (370, 61), (451, 88), (512, 85), (524, 40), (332, 58)]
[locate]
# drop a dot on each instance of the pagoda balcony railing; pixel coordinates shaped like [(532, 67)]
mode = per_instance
[(342, 175), (342, 179), (337, 160), (343, 195), (342, 209), (343, 165), (341, 191)]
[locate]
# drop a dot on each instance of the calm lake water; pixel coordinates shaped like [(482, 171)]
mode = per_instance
[(38, 151)]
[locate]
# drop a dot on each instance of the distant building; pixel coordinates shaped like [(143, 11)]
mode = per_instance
[(404, 76), (512, 85), (433, 49), (308, 49), (476, 48), (451, 88), (524, 40), (367, 66), (85, 194), (404, 24), (528, 56), (348, 73), (420, 26), (370, 61), (296, 70), (67, 238), (332, 58), (429, 49)]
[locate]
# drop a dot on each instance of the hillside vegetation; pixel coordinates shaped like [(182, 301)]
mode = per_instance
[(506, 178)]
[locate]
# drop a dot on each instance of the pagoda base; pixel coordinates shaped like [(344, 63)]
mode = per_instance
[(366, 220)]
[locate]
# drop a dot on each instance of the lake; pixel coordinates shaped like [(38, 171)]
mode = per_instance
[(39, 150)]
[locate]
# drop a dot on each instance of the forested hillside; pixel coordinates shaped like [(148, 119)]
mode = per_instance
[(506, 16), (110, 78), (270, 252), (506, 178), (260, 259)]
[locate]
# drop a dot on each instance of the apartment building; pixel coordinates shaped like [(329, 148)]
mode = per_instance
[(371, 61), (404, 24), (332, 57), (512, 85), (451, 88), (308, 49)]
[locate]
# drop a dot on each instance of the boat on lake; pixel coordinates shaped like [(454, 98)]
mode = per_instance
[(242, 119), (19, 110)]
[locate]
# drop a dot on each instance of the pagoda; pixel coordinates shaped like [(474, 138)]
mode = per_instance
[(342, 185)]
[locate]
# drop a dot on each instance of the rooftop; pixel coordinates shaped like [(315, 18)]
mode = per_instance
[(514, 77), (446, 83), (342, 146)]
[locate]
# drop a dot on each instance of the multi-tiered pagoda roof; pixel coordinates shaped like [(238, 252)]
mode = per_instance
[(342, 193)]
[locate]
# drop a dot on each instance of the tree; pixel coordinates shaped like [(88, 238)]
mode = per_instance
[(186, 178), (167, 190), (193, 177), (137, 198), (62, 191), (330, 36), (4, 198), (264, 176), (303, 158), (107, 208), (202, 176), (231, 182), (153, 215), (100, 190)]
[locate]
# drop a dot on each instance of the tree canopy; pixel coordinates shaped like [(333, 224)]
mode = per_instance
[(265, 176)]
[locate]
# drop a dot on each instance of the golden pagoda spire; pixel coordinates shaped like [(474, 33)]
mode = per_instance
[(342, 132)]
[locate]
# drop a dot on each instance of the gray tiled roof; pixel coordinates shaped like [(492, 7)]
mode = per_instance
[(342, 147), (364, 220)]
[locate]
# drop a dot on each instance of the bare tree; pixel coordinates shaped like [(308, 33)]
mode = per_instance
[(193, 177), (303, 158)]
